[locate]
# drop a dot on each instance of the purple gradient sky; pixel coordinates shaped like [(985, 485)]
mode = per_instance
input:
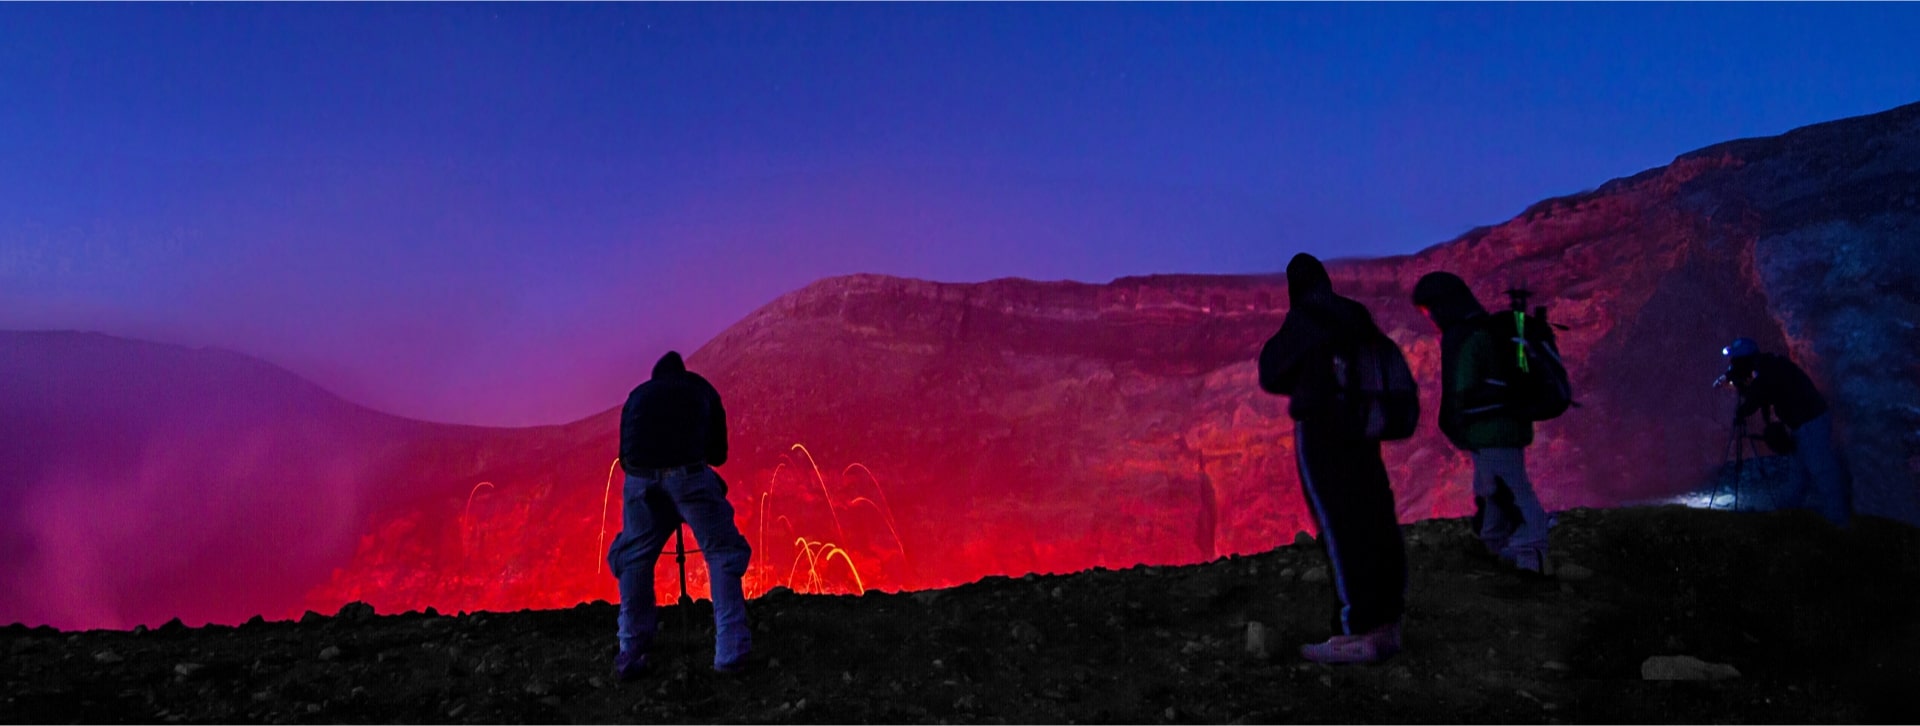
[(502, 214)]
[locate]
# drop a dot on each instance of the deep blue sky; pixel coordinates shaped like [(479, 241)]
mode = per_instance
[(502, 214)]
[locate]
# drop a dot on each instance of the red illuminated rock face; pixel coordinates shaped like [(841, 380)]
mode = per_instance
[(1021, 426), (1056, 426), (1015, 426)]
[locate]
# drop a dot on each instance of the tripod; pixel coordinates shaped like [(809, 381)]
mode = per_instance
[(680, 553), (1740, 448)]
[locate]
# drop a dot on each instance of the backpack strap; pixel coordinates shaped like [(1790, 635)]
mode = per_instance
[(1520, 340)]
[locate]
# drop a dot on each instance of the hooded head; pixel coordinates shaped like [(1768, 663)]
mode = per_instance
[(669, 365), (1446, 298), (1740, 348), (1307, 279), (1740, 354)]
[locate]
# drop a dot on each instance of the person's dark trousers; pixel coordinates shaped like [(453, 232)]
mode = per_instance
[(1346, 487), (1818, 479), (655, 505)]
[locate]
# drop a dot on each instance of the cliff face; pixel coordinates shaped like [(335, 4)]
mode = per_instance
[(900, 434), (1054, 426), (897, 433)]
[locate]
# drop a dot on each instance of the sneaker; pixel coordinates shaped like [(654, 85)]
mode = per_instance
[(738, 666), (1370, 647), (1386, 639), (1484, 551), (629, 665), (1529, 562)]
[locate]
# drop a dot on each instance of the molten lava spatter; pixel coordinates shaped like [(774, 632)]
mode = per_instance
[(606, 495), (509, 541)]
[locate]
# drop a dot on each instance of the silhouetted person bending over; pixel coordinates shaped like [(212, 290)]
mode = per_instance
[(672, 431), (1341, 473), (1773, 383)]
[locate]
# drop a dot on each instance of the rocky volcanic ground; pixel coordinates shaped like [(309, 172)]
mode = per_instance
[(1820, 624)]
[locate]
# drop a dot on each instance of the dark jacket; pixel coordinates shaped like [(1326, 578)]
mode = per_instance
[(674, 419), (1298, 360), (1469, 412), (1769, 380)]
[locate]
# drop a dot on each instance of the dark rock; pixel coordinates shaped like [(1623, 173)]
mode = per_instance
[(1257, 645), (1026, 633), (1573, 573), (1685, 668), (356, 612)]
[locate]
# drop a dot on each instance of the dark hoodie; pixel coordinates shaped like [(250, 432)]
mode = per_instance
[(1298, 360), (1765, 379), (675, 419), (1466, 355)]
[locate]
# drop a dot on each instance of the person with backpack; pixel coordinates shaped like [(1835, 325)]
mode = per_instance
[(673, 431), (1480, 413), (1347, 390), (1772, 383)]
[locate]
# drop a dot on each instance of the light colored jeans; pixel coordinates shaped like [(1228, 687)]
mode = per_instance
[(1818, 480), (1514, 527), (655, 507)]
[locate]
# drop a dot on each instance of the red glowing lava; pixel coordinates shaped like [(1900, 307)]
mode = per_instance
[(832, 535)]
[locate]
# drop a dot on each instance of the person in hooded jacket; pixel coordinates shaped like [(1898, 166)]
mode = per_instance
[(673, 431), (1774, 384), (1511, 523), (1341, 474)]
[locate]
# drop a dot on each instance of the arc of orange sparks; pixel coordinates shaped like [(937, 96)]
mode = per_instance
[(813, 552), (601, 548), (884, 518), (805, 551), (466, 514), (886, 510), (822, 479), (817, 553), (773, 480), (850, 568), (760, 543)]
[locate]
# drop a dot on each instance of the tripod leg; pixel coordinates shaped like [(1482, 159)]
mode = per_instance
[(1738, 444), (680, 558)]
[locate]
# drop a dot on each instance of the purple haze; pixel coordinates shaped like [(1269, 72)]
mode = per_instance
[(501, 214)]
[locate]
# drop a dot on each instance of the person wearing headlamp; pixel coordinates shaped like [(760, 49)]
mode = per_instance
[(1774, 384)]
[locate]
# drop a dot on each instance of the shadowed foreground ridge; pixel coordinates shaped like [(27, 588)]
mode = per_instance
[(1818, 622)]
